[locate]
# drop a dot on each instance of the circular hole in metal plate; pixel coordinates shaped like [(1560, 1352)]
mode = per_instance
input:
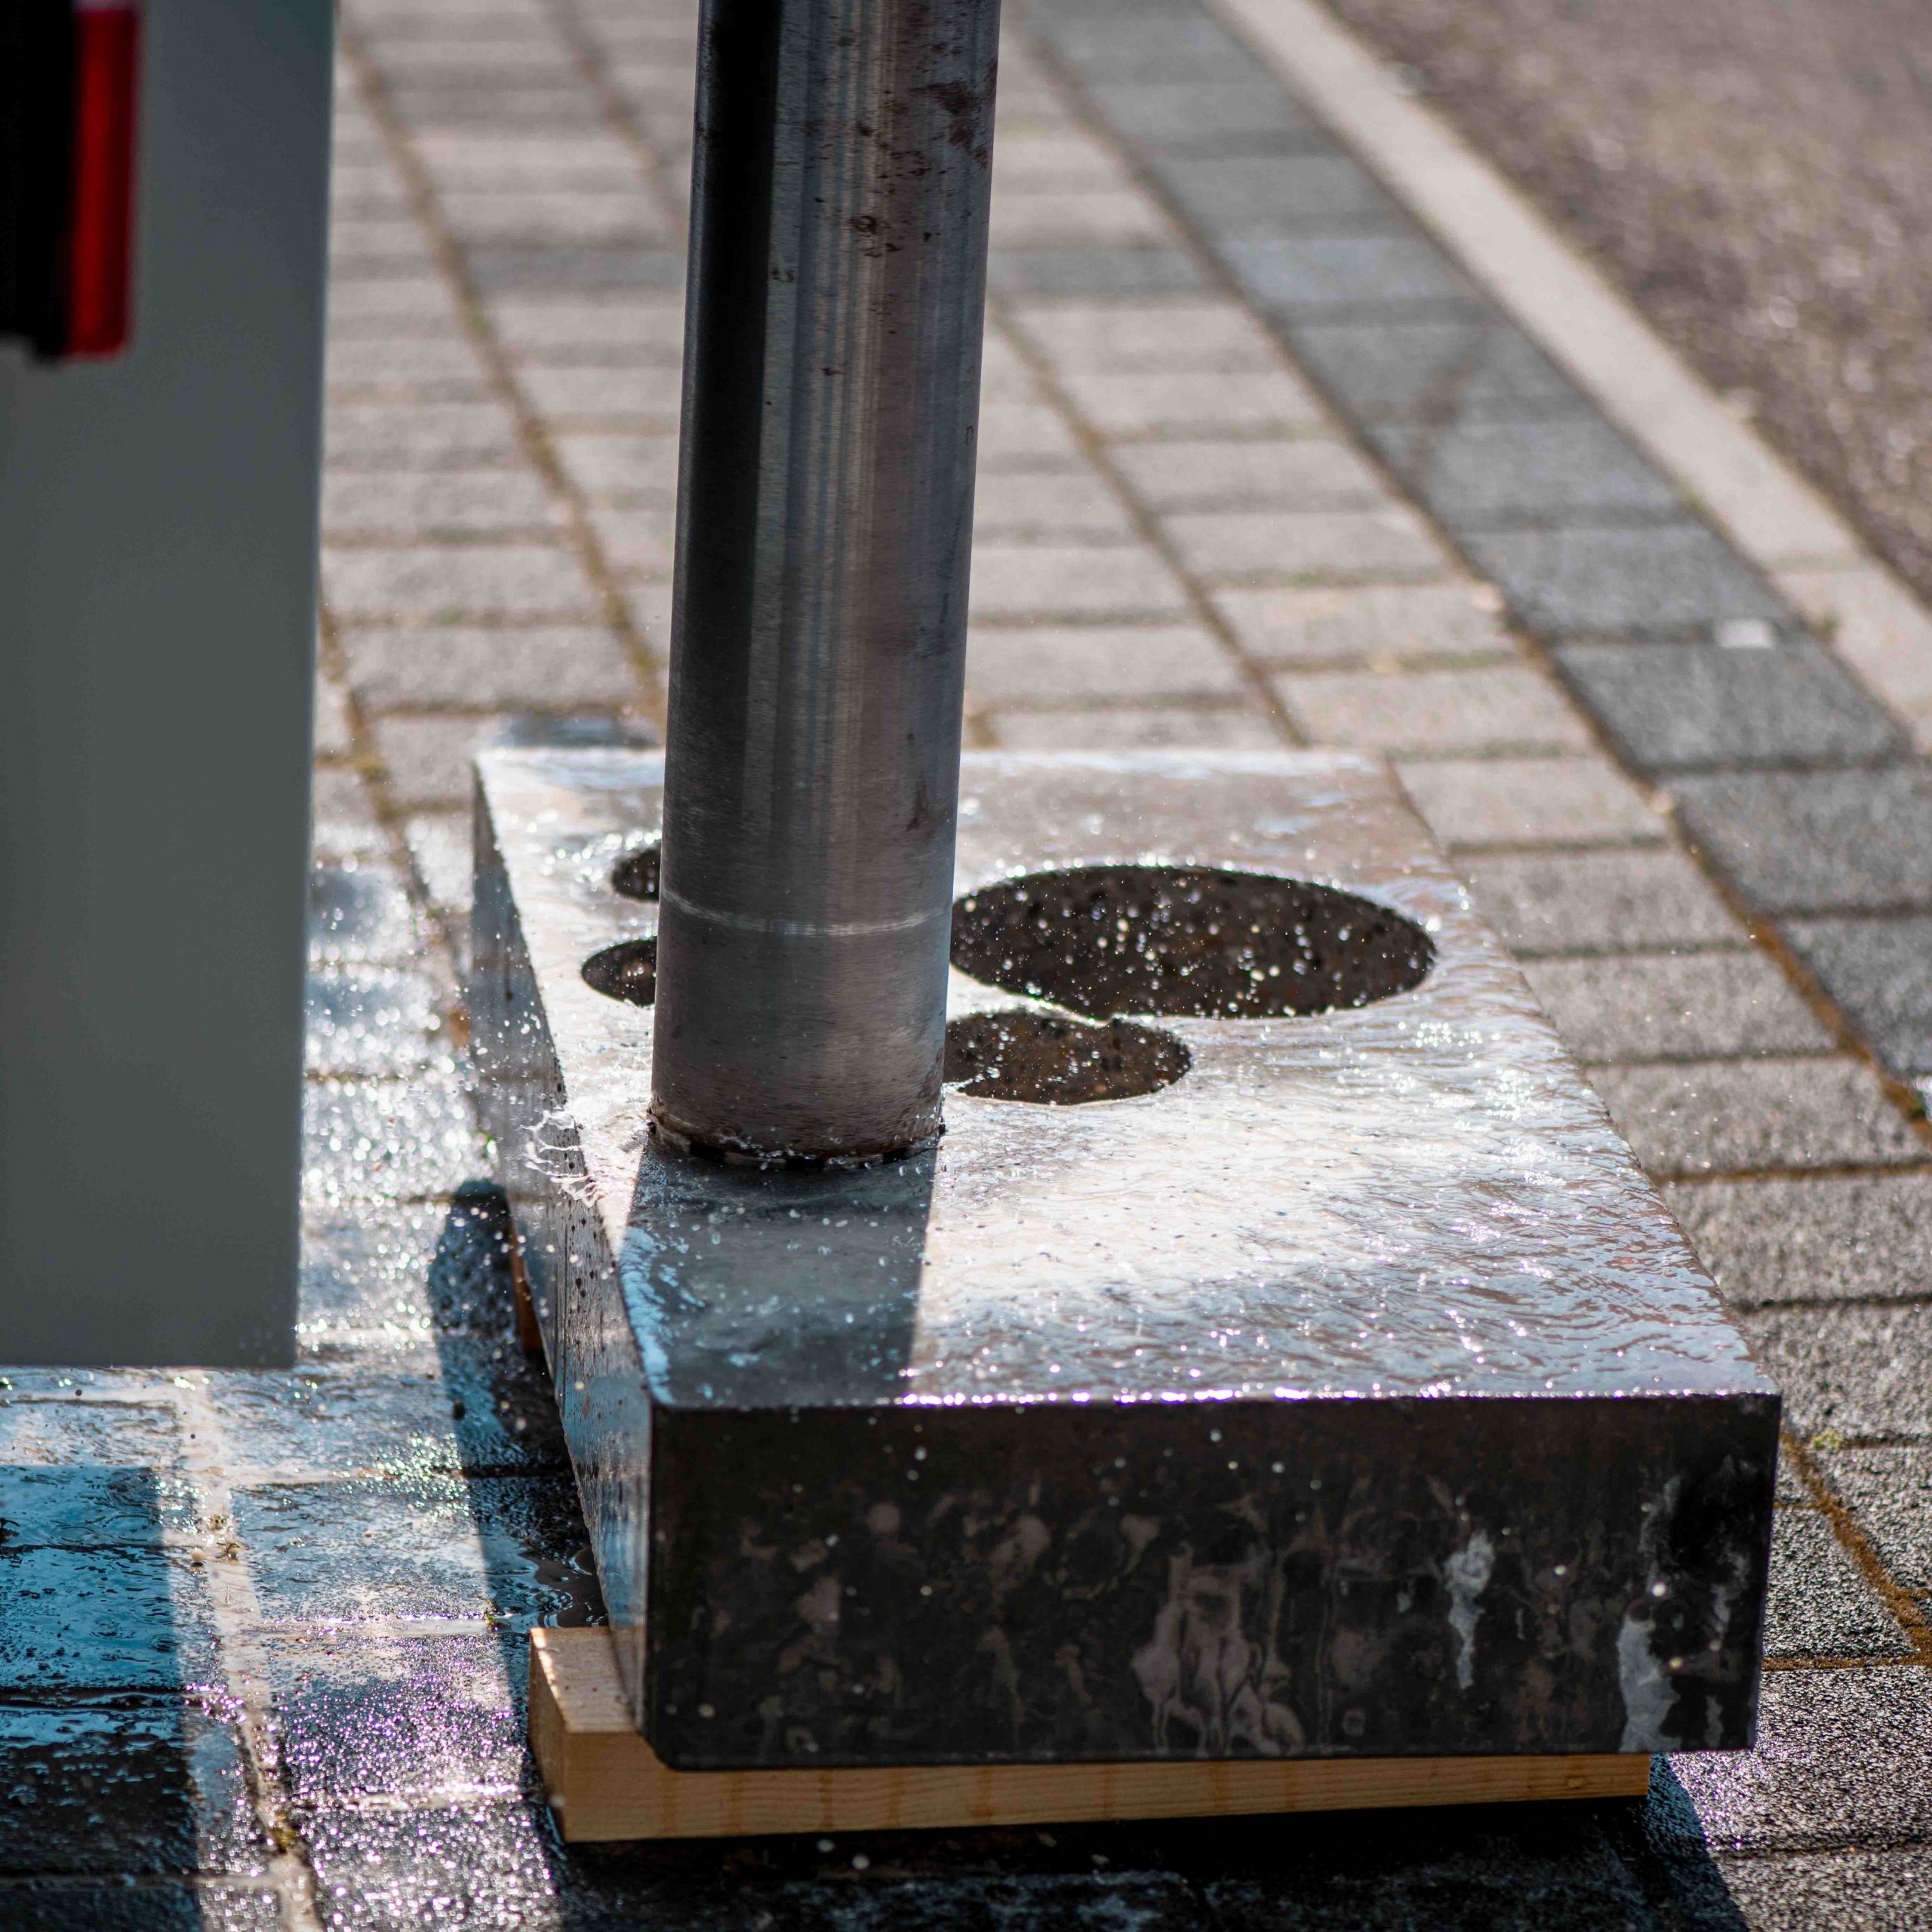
[(1186, 941), (626, 971), (1059, 1062), (634, 875)]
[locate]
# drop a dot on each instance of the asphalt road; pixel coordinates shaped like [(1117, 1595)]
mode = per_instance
[(1756, 175)]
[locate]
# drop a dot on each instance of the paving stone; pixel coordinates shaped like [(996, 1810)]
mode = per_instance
[(359, 245), (1012, 582), (1685, 1006), (1476, 473), (1854, 1370), (1827, 1237), (1005, 374), (1842, 1757), (1009, 509), (1670, 706), (1143, 45), (403, 305), (409, 1269), (1027, 436), (333, 736), (368, 1274), (1471, 803), (1333, 546), (399, 504), (1044, 667), (505, 214), (1736, 1116), (442, 665), (364, 1718), (417, 1547), (1298, 473), (440, 845), (455, 580), (423, 368), (1316, 276), (474, 1405), (507, 102), (632, 325), (1063, 159), (1074, 218), (503, 1863), (420, 435), (483, 1864), (73, 1430), (343, 823), (1659, 579), (496, 267), (1825, 1891), (622, 469), (427, 756), (1172, 729), (1495, 707), (596, 164), (116, 1906), (78, 1506), (1877, 971), (1257, 403), (370, 1020), (359, 913), (1174, 337), (1440, 370), (1374, 623), (1121, 272), (1240, 115), (1820, 1603), (121, 1785), (647, 391), (100, 1620), (1817, 841), (1516, 1872), (1233, 197), (369, 1140), (1599, 903), (1889, 1492)]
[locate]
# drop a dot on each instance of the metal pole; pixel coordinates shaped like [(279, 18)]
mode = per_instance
[(837, 273)]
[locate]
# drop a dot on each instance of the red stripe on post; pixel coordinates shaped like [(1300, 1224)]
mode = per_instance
[(100, 233)]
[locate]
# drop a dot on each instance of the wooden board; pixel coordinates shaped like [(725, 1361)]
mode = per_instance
[(605, 1782)]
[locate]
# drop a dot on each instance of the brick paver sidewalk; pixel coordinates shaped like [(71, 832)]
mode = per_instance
[(1180, 543)]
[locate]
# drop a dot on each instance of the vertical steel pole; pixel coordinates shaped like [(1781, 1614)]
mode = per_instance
[(838, 275)]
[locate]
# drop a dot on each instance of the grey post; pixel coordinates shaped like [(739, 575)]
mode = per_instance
[(838, 271), (157, 631)]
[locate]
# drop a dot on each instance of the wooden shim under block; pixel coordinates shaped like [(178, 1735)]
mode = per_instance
[(605, 1782)]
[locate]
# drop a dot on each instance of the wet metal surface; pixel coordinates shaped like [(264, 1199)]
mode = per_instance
[(1352, 1393)]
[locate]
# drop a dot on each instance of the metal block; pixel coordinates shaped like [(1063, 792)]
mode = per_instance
[(1348, 1392)]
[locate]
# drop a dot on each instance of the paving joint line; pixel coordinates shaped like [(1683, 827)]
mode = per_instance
[(1905, 1609), (534, 434), (235, 1610)]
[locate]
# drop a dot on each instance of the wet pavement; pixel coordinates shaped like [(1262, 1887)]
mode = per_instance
[(1755, 178), (261, 1637)]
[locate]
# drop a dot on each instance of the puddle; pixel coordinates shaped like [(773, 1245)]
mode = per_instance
[(1057, 1062), (627, 971), (634, 875), (1186, 942)]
